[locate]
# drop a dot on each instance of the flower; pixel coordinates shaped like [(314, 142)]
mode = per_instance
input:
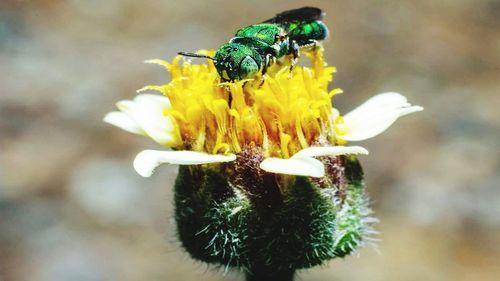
[(238, 142), (287, 115)]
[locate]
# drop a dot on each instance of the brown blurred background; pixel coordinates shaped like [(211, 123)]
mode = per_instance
[(72, 207)]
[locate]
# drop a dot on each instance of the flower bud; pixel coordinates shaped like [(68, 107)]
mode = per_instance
[(237, 215)]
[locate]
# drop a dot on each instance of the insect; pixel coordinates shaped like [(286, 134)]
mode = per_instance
[(254, 48)]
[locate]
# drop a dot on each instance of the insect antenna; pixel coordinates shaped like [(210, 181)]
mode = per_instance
[(193, 55)]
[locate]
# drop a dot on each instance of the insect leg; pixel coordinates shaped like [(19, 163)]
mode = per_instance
[(311, 43), (294, 50), (267, 62)]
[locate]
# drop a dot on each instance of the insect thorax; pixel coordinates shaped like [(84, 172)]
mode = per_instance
[(269, 33)]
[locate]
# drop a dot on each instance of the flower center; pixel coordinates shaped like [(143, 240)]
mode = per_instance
[(283, 112)]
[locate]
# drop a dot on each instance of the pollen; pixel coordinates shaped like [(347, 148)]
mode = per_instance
[(282, 112)]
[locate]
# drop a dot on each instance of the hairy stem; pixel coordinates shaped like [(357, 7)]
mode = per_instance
[(269, 274)]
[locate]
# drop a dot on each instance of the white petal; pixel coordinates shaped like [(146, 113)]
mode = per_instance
[(308, 167), (335, 113), (316, 151), (121, 120), (146, 161), (148, 112), (154, 101), (375, 116), (411, 109), (380, 101)]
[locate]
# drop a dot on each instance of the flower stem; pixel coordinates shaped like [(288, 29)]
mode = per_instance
[(269, 274)]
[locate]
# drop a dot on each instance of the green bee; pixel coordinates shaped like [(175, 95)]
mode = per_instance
[(254, 48)]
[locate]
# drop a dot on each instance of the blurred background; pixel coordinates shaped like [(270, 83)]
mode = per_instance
[(73, 208)]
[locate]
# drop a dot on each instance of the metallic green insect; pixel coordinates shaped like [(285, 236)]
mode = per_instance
[(254, 48)]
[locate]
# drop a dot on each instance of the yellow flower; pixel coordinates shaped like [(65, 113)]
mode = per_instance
[(287, 115)]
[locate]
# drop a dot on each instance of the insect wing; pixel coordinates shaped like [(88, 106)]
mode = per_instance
[(304, 14)]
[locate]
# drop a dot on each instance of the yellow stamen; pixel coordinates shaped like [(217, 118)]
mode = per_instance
[(281, 112)]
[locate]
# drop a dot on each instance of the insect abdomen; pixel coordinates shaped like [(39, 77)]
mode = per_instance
[(305, 33)]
